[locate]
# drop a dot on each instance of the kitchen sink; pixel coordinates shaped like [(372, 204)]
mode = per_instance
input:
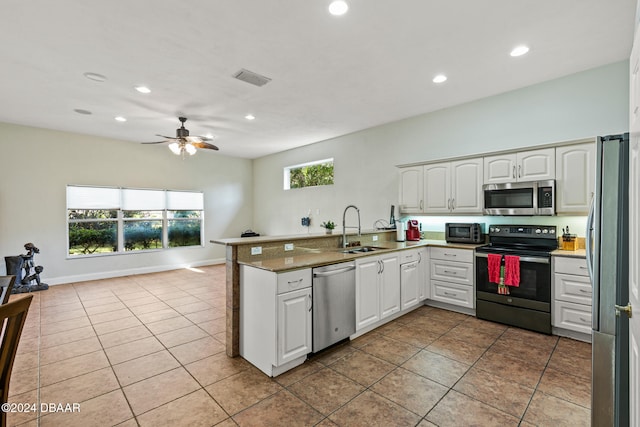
[(361, 249)]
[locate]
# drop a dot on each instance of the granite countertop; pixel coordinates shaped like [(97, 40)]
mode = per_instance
[(335, 255)]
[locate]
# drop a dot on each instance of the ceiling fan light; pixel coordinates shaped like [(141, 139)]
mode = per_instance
[(175, 148), (190, 149)]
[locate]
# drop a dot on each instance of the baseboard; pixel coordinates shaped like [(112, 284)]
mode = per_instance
[(52, 281)]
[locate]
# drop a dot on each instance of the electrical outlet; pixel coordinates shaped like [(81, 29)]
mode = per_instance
[(256, 250), (375, 238), (306, 221), (288, 246)]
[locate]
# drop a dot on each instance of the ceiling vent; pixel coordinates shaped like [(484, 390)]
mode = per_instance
[(251, 77)]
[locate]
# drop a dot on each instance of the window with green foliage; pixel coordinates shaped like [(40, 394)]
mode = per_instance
[(310, 174), (111, 220)]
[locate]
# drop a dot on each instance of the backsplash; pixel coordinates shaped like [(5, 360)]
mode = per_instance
[(435, 224)]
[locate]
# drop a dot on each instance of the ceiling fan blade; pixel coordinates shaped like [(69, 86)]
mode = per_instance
[(167, 137), (154, 142), (204, 145)]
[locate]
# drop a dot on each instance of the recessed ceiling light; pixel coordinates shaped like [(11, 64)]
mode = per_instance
[(440, 78), (121, 119), (250, 117), (95, 77), (519, 50), (143, 89), (338, 7), (81, 111)]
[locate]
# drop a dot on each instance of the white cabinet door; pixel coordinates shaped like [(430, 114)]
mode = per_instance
[(536, 165), (499, 169), (294, 325), (437, 188), (425, 280), (409, 285), (466, 186), (411, 192), (367, 293), (575, 178), (389, 286)]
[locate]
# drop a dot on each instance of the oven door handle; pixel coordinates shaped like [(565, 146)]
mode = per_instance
[(537, 260)]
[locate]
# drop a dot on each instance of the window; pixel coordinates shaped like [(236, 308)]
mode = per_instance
[(310, 174), (111, 220)]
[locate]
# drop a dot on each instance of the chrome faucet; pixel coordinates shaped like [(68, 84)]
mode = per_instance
[(344, 227)]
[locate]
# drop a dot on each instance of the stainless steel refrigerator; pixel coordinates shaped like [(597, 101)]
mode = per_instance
[(607, 258)]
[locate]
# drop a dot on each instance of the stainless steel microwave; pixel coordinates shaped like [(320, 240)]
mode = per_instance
[(464, 232), (520, 198)]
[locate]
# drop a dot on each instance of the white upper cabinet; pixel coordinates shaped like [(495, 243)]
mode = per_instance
[(534, 165), (411, 192), (453, 187), (634, 85), (437, 187), (466, 186), (575, 178)]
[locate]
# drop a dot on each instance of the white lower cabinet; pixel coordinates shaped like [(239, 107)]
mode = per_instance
[(275, 318), (424, 291), (377, 289), (452, 276), (410, 279), (572, 295)]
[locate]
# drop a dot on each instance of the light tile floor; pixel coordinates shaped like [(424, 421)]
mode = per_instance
[(148, 350)]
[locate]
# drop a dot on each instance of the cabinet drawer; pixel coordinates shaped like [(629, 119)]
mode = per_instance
[(452, 293), (575, 317), (451, 271), (572, 288), (451, 254), (409, 256), (292, 280), (577, 266)]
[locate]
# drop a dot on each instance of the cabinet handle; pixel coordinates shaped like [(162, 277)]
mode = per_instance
[(583, 320), (382, 266), (446, 254), (582, 267), (453, 204), (519, 171), (295, 283), (421, 204), (449, 272), (514, 171), (419, 257), (450, 294), (310, 302), (584, 291)]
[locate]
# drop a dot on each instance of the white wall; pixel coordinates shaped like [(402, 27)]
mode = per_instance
[(593, 102), (37, 165)]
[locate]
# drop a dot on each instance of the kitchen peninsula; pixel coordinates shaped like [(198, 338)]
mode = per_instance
[(287, 253)]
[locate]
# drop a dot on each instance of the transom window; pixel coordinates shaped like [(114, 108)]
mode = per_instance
[(310, 174), (124, 220)]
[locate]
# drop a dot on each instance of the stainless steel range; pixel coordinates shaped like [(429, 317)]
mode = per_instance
[(527, 305)]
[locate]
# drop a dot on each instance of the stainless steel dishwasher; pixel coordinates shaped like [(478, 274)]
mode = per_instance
[(334, 304)]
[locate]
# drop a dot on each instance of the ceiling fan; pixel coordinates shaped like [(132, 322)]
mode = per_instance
[(183, 143)]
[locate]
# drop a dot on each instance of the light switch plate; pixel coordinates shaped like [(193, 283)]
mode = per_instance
[(256, 250), (375, 238), (288, 246)]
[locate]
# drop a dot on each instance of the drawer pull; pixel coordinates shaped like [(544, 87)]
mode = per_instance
[(450, 294), (294, 283), (582, 267), (585, 291), (446, 254), (449, 272), (583, 320)]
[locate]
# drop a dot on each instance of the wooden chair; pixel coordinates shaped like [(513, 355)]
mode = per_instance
[(12, 315), (6, 285)]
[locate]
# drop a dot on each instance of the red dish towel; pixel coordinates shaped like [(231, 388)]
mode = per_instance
[(512, 270), (493, 265)]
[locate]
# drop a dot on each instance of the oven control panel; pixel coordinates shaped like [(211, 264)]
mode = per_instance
[(529, 231)]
